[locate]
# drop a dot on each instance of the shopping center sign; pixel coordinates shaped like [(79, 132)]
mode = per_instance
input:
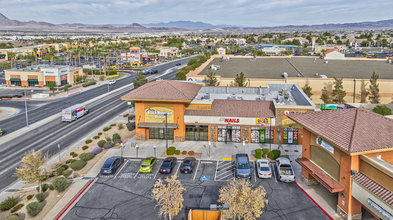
[(325, 145), (230, 120), (262, 120)]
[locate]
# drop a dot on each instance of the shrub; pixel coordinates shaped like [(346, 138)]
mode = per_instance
[(33, 208), (177, 152), (8, 203), (67, 173), (117, 142), (72, 153), (88, 141), (97, 150), (51, 187), (73, 160), (274, 154), (96, 137), (86, 156), (265, 152), (75, 155), (113, 125), (100, 133), (60, 170), (126, 115), (44, 187), (191, 153), (131, 126), (78, 165), (105, 129), (109, 144), (65, 166), (170, 151), (29, 197), (184, 152), (258, 153), (41, 196), (116, 136), (107, 138), (120, 126), (68, 161), (84, 147), (102, 78), (13, 217), (16, 208), (52, 174), (101, 143), (59, 184)]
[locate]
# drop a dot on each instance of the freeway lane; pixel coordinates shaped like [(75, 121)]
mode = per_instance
[(47, 137), (53, 107)]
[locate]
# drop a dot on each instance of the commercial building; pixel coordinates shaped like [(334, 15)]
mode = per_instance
[(349, 152), (183, 111), (41, 75), (134, 56), (221, 51), (275, 50), (333, 55)]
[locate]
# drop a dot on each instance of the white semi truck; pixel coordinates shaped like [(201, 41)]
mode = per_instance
[(74, 112)]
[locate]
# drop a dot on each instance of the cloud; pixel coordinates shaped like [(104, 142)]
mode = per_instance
[(239, 12)]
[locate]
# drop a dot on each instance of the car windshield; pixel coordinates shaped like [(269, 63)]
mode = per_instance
[(144, 166), (107, 164), (166, 164), (186, 166), (264, 168), (243, 166)]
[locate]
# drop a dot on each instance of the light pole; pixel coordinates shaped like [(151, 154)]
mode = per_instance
[(136, 149), (108, 86), (166, 129), (155, 154), (270, 133)]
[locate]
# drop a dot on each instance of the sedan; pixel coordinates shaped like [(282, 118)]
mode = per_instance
[(148, 164), (178, 64), (263, 169), (153, 71), (186, 167), (111, 82), (16, 96), (111, 165), (168, 165)]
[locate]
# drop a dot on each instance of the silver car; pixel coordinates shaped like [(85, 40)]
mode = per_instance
[(263, 169)]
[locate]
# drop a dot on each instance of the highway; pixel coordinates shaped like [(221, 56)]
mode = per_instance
[(48, 136)]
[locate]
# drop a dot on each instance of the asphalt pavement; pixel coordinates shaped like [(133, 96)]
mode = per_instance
[(48, 136)]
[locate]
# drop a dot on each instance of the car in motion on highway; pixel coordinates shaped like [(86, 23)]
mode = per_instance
[(178, 64), (168, 165), (74, 112), (111, 82), (16, 96), (153, 71), (111, 165), (148, 164), (186, 167)]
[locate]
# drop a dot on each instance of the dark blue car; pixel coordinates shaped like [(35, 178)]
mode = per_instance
[(168, 165), (111, 165)]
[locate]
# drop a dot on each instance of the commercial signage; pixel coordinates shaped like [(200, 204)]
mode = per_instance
[(156, 114), (134, 51), (262, 120), (196, 80), (287, 112), (325, 145), (49, 72), (229, 120), (295, 134), (285, 133), (63, 71), (332, 106)]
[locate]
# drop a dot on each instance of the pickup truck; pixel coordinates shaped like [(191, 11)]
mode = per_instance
[(243, 168), (285, 171)]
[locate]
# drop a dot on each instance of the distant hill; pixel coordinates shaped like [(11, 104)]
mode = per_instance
[(190, 25)]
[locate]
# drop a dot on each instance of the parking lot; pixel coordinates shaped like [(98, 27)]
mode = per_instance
[(127, 194)]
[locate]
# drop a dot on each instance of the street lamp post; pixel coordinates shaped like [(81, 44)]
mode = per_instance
[(136, 149), (155, 154), (270, 133), (209, 149), (166, 129)]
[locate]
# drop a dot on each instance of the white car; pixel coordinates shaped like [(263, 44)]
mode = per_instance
[(111, 82), (285, 171), (263, 169)]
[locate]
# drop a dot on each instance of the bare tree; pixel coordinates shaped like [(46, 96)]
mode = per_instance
[(169, 196), (240, 196), (33, 168)]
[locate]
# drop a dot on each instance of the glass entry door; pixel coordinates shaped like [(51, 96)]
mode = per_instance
[(196, 133), (161, 133)]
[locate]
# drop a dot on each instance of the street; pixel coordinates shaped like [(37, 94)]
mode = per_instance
[(48, 136)]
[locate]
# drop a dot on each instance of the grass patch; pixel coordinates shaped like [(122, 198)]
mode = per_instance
[(118, 76)]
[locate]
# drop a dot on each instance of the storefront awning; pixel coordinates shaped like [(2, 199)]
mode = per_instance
[(15, 80), (328, 182), (156, 125), (32, 80)]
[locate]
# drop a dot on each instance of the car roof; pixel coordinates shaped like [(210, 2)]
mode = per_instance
[(283, 160), (169, 159)]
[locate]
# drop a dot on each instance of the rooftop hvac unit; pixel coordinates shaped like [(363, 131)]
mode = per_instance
[(206, 96), (316, 74), (280, 99), (290, 97), (285, 75), (323, 76), (262, 97), (214, 67), (298, 75), (233, 97), (326, 62), (284, 92)]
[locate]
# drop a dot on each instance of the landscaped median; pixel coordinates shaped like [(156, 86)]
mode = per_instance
[(118, 76), (61, 177)]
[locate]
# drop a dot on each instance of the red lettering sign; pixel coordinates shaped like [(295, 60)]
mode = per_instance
[(232, 120)]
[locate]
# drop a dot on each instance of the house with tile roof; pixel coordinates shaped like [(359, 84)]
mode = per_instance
[(333, 54), (349, 152)]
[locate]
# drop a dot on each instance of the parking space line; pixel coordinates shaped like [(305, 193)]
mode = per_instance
[(256, 170), (124, 165), (225, 172), (215, 174), (177, 170), (158, 170), (206, 161), (134, 159), (196, 170), (224, 178), (227, 166), (136, 174)]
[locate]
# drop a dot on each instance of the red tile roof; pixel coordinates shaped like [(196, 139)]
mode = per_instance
[(237, 108), (329, 51), (164, 90), (374, 187), (353, 130)]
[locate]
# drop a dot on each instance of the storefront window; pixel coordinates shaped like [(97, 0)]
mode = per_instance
[(235, 135), (222, 133), (255, 134), (159, 133), (63, 82), (196, 133), (16, 83), (290, 135)]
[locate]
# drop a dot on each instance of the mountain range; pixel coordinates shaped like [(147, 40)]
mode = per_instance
[(190, 25)]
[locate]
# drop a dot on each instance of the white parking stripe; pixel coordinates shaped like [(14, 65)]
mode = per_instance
[(136, 174), (196, 170), (121, 169), (206, 161), (226, 166), (222, 179), (177, 170), (224, 172), (158, 169), (215, 174), (255, 175)]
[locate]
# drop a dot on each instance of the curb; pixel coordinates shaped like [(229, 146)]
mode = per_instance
[(315, 202), (73, 200)]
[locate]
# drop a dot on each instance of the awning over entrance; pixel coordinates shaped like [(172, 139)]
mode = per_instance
[(328, 182), (32, 80), (15, 80), (156, 125)]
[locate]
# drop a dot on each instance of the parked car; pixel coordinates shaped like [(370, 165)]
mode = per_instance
[(111, 165), (285, 171), (178, 64), (168, 165), (263, 169), (111, 82), (242, 168), (16, 96), (186, 167), (148, 164)]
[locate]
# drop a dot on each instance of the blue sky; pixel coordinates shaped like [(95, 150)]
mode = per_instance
[(251, 13)]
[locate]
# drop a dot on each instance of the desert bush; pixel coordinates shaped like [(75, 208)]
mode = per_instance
[(40, 197), (113, 125), (65, 166), (184, 152), (16, 208), (85, 147), (86, 156), (60, 170), (109, 144), (105, 129), (67, 173), (8, 203), (72, 153), (126, 115), (13, 216), (59, 184), (131, 126), (44, 187), (29, 197), (116, 136), (68, 161), (274, 154), (75, 155), (191, 153), (265, 151), (78, 165), (120, 126), (170, 151), (51, 187), (96, 137), (101, 143), (177, 152), (117, 142), (88, 141), (100, 133), (73, 160), (97, 150), (107, 138), (33, 208), (258, 153)]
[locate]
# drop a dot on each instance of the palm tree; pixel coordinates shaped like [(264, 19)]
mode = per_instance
[(104, 53), (12, 56), (117, 47), (67, 53), (35, 50)]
